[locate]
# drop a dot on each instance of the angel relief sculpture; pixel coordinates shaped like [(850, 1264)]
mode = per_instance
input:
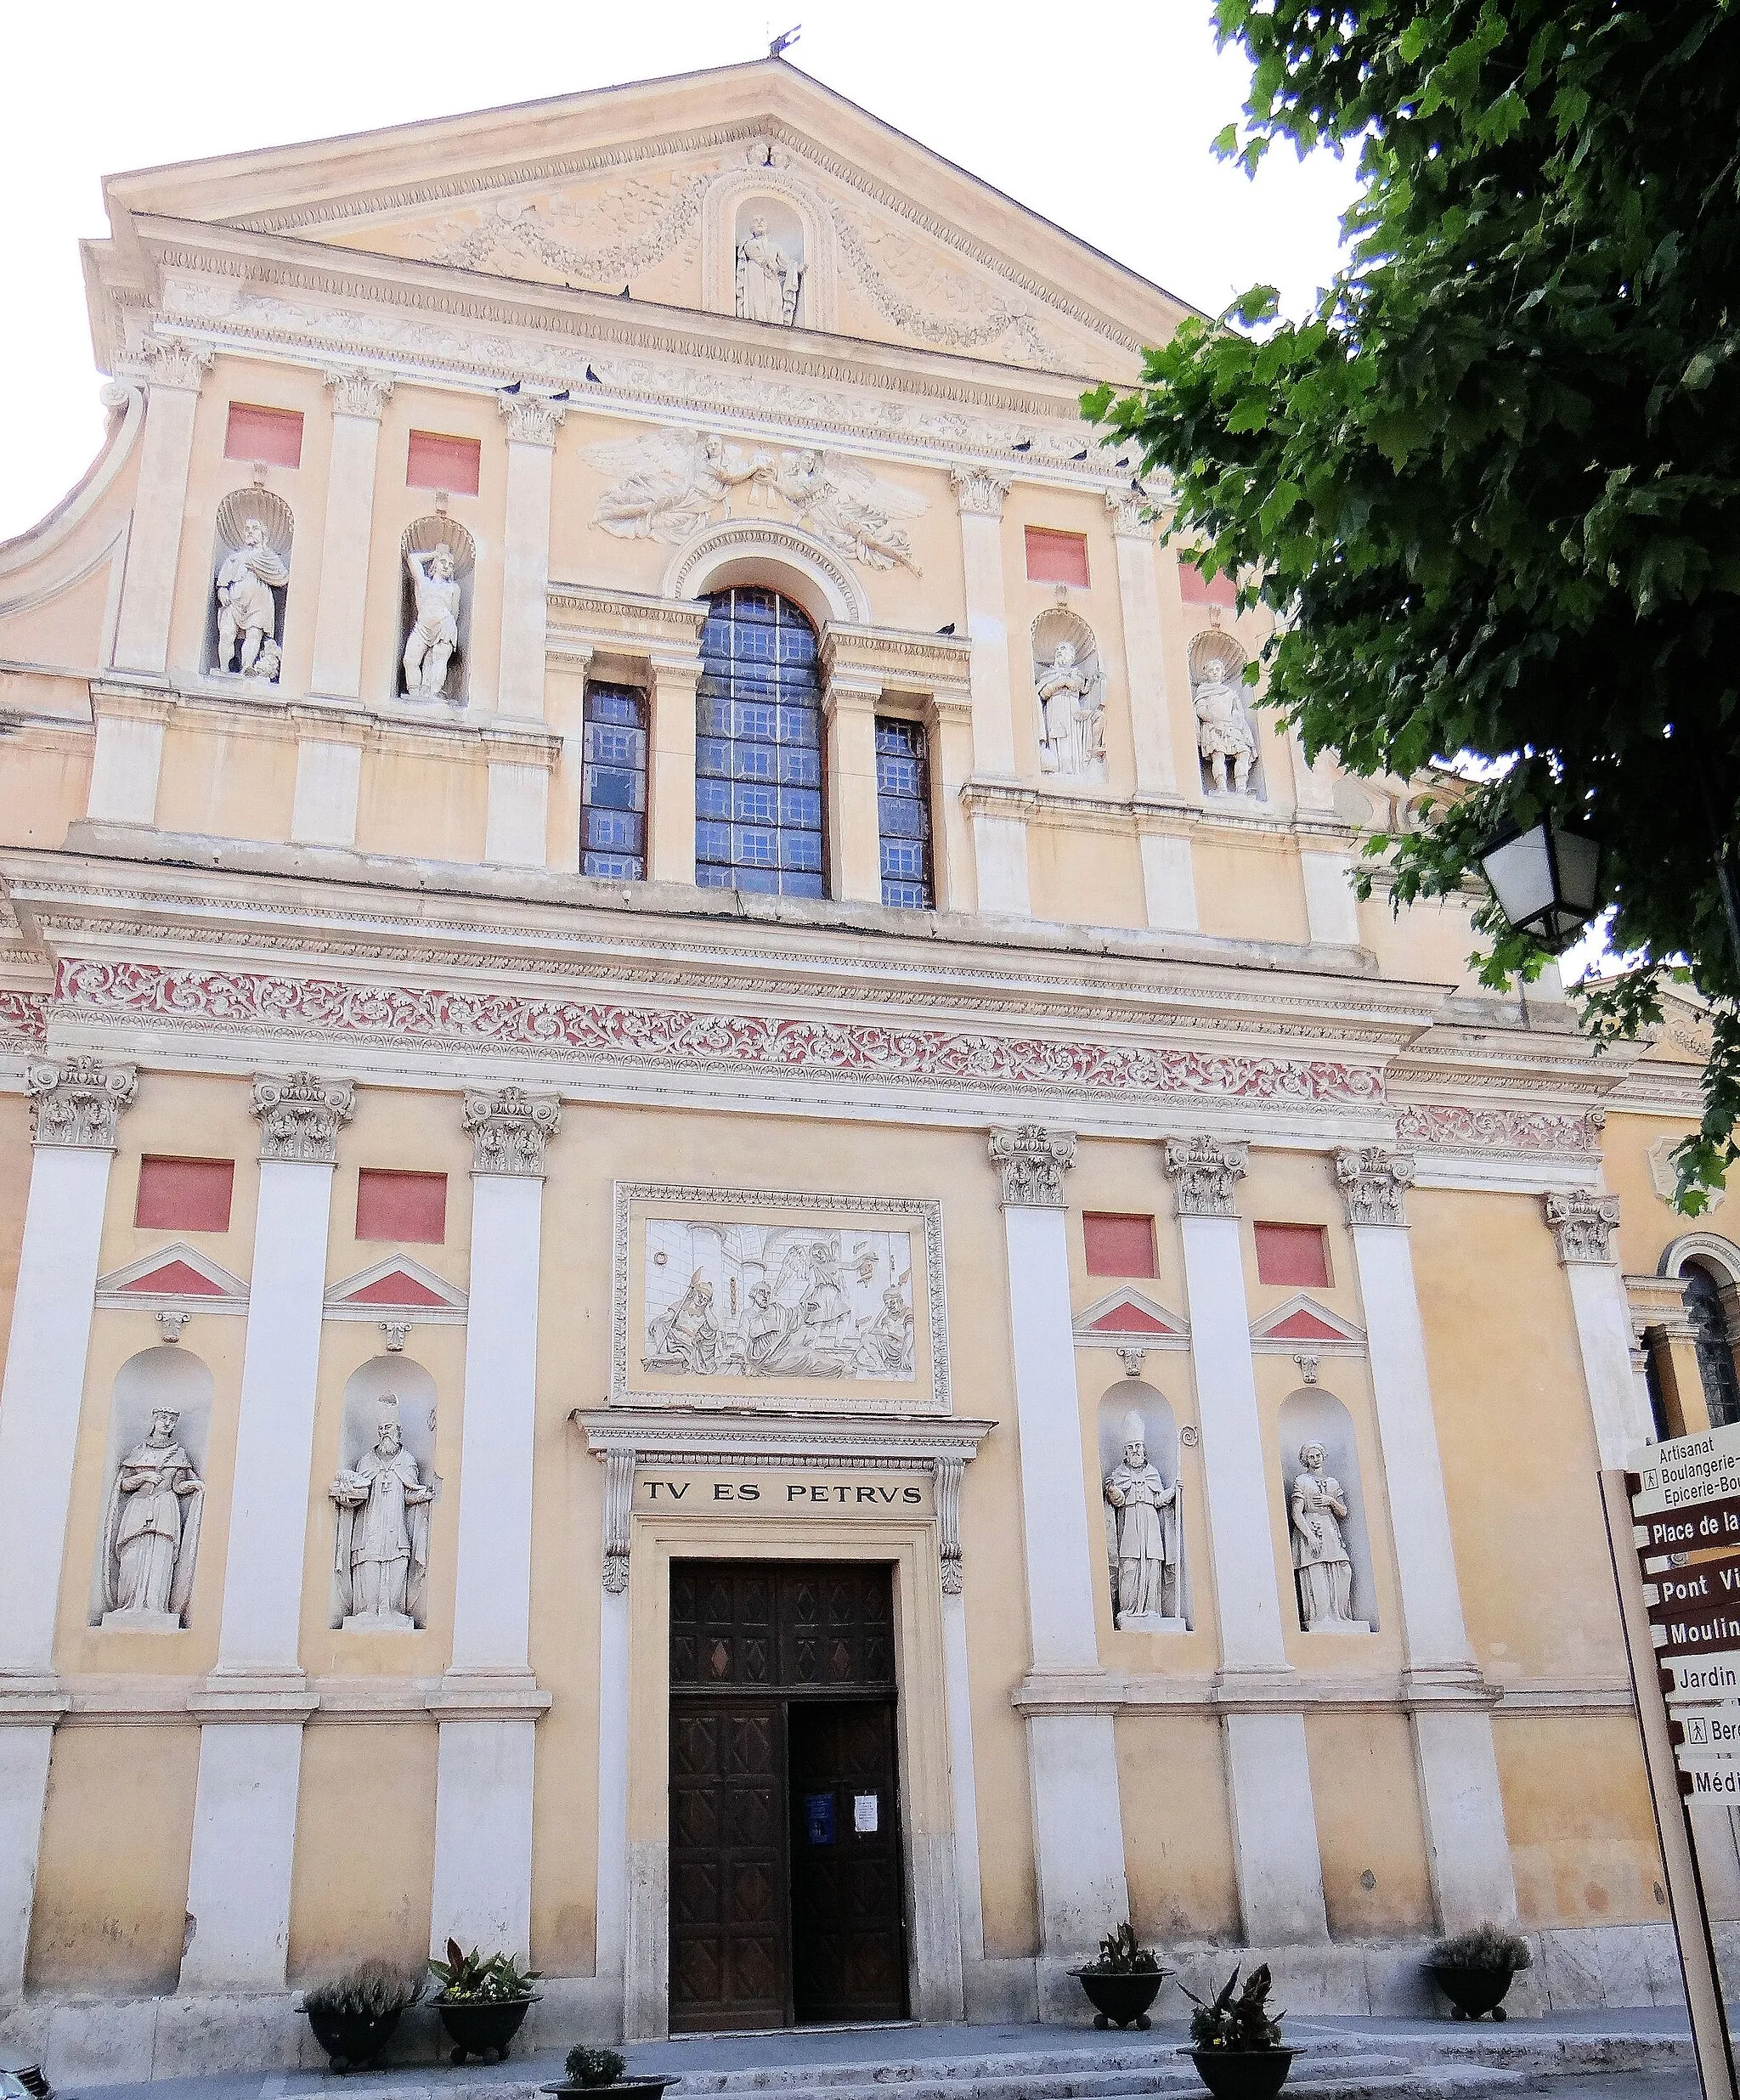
[(669, 484)]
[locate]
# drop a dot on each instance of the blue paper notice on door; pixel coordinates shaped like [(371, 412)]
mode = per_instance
[(819, 1818)]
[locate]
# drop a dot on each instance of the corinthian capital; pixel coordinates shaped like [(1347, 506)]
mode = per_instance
[(980, 490), (532, 419), (358, 392), (1583, 1225), (1033, 1162), (299, 1116), (78, 1101), (510, 1130), (170, 362), (1372, 1183), (1205, 1173)]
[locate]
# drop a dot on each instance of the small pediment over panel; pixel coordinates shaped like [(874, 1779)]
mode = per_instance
[(1304, 1323), (1127, 1318), (175, 1279), (396, 1285)]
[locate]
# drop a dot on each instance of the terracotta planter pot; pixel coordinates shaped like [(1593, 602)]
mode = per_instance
[(483, 2027), (1243, 2073), (352, 2038), (1122, 1997), (1472, 1991)]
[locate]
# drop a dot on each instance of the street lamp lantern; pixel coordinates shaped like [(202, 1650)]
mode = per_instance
[(1546, 880)]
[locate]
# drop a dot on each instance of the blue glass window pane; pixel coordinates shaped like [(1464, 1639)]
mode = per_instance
[(754, 803), (800, 808), (712, 842), (613, 782), (713, 755), (801, 886), (755, 845), (712, 798), (707, 877), (903, 814), (605, 744), (753, 761), (615, 788), (899, 777), (799, 849), (611, 827), (799, 768), (614, 867), (762, 880)]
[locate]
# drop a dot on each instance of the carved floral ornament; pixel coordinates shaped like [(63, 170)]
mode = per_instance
[(359, 392), (1582, 1225), (299, 1116), (533, 419), (980, 490), (78, 1101), (170, 362), (1373, 1182), (510, 1130), (1031, 1162), (1205, 1174)]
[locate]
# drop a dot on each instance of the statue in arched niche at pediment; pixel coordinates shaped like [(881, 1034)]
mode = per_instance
[(770, 272)]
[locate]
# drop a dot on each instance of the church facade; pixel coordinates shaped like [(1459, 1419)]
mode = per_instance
[(729, 1261)]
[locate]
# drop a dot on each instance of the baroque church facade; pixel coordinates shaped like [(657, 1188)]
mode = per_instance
[(730, 1261)]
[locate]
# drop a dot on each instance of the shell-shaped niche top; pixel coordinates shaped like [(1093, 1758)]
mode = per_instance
[(1226, 736), (437, 558), (250, 583), (1071, 690)]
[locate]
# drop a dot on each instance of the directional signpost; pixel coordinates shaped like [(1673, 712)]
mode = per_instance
[(1674, 1531)]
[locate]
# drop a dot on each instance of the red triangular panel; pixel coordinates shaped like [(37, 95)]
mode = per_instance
[(1304, 1327), (394, 1289), (1128, 1319), (176, 1280)]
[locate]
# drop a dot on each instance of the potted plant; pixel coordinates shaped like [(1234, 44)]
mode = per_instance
[(1235, 2042), (1123, 1982), (1474, 1969), (483, 2001), (354, 2015), (599, 2073)]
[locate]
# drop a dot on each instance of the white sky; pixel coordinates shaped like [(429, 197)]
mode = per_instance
[(1099, 116)]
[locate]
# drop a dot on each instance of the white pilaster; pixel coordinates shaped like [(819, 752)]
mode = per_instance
[(244, 1834), (1583, 1226), (1467, 1848), (25, 1752), (1332, 910), (1072, 1758), (125, 768), (1144, 658), (1269, 1777), (482, 1891), (328, 781), (1000, 842), (1169, 883), (515, 828), (532, 425), (611, 1932), (159, 504), (358, 399)]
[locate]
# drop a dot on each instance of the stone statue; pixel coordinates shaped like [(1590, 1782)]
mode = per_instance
[(1223, 729), (381, 1549), (768, 278), (1326, 1574), (434, 634), (1073, 744), (889, 1335), (151, 1532), (267, 665), (1142, 1537), (686, 1338), (247, 613)]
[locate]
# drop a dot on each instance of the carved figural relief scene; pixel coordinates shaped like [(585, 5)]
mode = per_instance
[(743, 1295), (382, 1495)]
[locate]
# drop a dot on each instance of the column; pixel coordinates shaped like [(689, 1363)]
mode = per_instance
[(1583, 1225), (1078, 1832), (1144, 658), (854, 832), (1268, 1776), (77, 1105), (357, 398), (254, 1702), (532, 420), (175, 371), (329, 776), (670, 821), (125, 765), (1467, 1849), (489, 1702), (969, 1894), (1000, 842), (1331, 909), (517, 818)]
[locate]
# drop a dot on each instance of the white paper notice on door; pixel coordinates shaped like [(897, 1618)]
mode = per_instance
[(866, 1810)]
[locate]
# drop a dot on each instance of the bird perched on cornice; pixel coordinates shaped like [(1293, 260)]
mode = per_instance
[(593, 376), (1022, 444)]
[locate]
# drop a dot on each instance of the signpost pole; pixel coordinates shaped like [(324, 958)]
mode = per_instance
[(1691, 1914)]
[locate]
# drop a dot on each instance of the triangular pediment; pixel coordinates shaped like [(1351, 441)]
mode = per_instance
[(1126, 1319), (1306, 1324), (397, 1283), (175, 1279)]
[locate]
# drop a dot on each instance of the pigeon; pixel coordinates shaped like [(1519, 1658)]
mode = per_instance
[(1082, 455), (624, 293), (949, 630), (593, 376), (564, 395), (514, 388), (1022, 444), (1124, 461)]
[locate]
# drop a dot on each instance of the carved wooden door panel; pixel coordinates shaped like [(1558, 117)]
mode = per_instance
[(847, 1938), (728, 1876)]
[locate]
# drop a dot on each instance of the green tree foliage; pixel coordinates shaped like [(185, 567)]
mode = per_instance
[(1491, 484)]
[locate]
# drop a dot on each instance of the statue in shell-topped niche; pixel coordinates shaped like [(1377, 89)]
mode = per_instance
[(1142, 1537), (249, 583), (151, 1532), (438, 560), (1224, 736), (1324, 1567), (381, 1546), (1072, 695)]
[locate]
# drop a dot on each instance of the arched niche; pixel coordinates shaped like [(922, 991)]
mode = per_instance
[(1215, 645), (446, 620), (396, 1391), (1151, 1410), (765, 184), (785, 558), (147, 1539), (1069, 689), (1310, 1416), (1708, 1267), (252, 536)]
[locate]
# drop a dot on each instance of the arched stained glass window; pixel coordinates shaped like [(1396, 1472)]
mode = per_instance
[(1716, 1357), (758, 749)]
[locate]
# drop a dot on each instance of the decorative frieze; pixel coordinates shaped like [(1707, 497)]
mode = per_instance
[(356, 392), (532, 419), (1582, 1225), (1457, 1127), (510, 1130), (1373, 1182), (980, 490), (1205, 1173), (1033, 1161), (79, 1101), (300, 1115)]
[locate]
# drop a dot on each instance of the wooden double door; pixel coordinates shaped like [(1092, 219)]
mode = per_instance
[(785, 1859)]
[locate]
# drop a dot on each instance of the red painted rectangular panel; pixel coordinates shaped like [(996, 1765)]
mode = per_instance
[(1056, 557), (273, 435), (1197, 589), (450, 463), (1118, 1246), (1293, 1254), (397, 1206), (184, 1195)]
